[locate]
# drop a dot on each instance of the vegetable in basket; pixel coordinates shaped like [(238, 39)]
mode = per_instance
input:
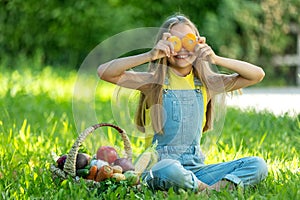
[(82, 160), (92, 173), (61, 161), (125, 163), (117, 169), (146, 160), (104, 172), (82, 172), (118, 177), (132, 178), (107, 153)]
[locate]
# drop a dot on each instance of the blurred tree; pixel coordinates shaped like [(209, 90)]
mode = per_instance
[(63, 32)]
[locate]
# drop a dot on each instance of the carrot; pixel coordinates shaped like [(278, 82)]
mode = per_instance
[(104, 172), (93, 173)]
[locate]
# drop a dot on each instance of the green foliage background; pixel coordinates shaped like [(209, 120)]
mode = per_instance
[(37, 38), (62, 33)]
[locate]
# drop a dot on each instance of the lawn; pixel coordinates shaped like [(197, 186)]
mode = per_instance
[(37, 118)]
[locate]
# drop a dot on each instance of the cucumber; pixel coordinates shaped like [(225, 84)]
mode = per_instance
[(82, 172), (87, 167)]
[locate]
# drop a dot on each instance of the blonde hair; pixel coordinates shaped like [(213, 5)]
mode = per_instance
[(153, 95)]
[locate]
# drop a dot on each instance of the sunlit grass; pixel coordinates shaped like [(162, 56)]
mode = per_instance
[(36, 118)]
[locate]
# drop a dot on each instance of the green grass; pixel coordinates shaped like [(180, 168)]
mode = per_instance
[(36, 118)]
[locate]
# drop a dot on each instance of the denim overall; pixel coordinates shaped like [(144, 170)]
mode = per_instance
[(181, 162)]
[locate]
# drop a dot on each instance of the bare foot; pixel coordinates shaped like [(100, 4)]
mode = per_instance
[(222, 185), (202, 186)]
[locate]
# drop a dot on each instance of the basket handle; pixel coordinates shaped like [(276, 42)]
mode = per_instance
[(70, 164)]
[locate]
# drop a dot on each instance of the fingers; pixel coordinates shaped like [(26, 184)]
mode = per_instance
[(170, 45), (202, 40), (200, 48), (166, 46), (166, 35), (204, 51)]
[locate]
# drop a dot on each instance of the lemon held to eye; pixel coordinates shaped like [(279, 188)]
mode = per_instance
[(176, 42), (189, 42)]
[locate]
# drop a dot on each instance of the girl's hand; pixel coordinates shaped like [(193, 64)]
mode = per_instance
[(205, 52), (163, 48)]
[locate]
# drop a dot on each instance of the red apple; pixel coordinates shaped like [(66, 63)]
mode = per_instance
[(107, 153)]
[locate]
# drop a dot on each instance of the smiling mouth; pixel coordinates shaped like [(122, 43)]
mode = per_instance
[(182, 56)]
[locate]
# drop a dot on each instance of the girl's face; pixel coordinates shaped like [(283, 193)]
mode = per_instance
[(183, 60)]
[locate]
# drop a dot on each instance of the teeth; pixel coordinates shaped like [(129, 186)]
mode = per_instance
[(182, 56)]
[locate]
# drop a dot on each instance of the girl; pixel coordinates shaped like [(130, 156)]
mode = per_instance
[(179, 91)]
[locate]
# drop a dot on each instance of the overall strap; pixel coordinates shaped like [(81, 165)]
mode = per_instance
[(166, 84), (198, 84)]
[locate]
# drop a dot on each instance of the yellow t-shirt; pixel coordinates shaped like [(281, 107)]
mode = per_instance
[(177, 82), (180, 82)]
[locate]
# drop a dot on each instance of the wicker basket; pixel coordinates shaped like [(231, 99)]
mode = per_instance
[(70, 164)]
